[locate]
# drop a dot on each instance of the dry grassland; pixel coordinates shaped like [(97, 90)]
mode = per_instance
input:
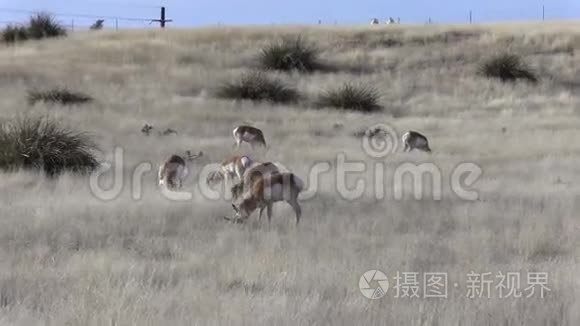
[(67, 257)]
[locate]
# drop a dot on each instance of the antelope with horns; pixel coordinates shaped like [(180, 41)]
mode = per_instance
[(252, 174), (174, 170), (414, 140), (230, 168), (268, 190), (249, 135)]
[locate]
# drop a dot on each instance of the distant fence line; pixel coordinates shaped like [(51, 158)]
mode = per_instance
[(80, 22), (112, 22)]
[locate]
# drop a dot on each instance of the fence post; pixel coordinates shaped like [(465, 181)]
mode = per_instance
[(543, 13), (162, 20), (116, 24), (470, 17)]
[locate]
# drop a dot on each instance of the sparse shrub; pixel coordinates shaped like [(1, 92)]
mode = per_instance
[(41, 144), (508, 68), (43, 25), (290, 54), (97, 25), (14, 33), (61, 95), (40, 26), (257, 86), (351, 97)]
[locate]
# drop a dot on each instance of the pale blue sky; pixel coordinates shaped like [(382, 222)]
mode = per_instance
[(242, 12)]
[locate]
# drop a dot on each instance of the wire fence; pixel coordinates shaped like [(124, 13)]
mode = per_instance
[(154, 16), (83, 21)]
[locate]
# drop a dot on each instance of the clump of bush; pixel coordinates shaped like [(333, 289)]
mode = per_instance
[(351, 97), (288, 55), (59, 95), (14, 33), (42, 144), (42, 25), (257, 86), (97, 25), (508, 68)]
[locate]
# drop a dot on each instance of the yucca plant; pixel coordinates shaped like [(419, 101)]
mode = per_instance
[(58, 95), (508, 68), (351, 97), (43, 25), (42, 144), (288, 55), (258, 86), (14, 33)]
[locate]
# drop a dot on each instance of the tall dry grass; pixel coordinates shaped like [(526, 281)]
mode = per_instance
[(67, 257)]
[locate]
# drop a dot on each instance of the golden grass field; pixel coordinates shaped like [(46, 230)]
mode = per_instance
[(68, 258)]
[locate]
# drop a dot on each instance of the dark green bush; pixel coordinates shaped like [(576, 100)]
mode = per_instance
[(508, 68), (43, 25), (288, 55), (41, 144), (40, 26), (257, 86), (351, 97), (60, 95), (97, 25), (14, 33)]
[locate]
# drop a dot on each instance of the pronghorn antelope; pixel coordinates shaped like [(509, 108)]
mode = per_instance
[(230, 168), (374, 21), (268, 190), (249, 135), (172, 172), (252, 174), (414, 140)]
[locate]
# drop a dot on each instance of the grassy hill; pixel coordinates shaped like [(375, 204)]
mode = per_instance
[(69, 257)]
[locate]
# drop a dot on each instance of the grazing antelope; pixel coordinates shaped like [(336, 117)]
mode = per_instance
[(268, 190), (252, 174), (414, 140), (230, 168), (172, 172), (249, 135)]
